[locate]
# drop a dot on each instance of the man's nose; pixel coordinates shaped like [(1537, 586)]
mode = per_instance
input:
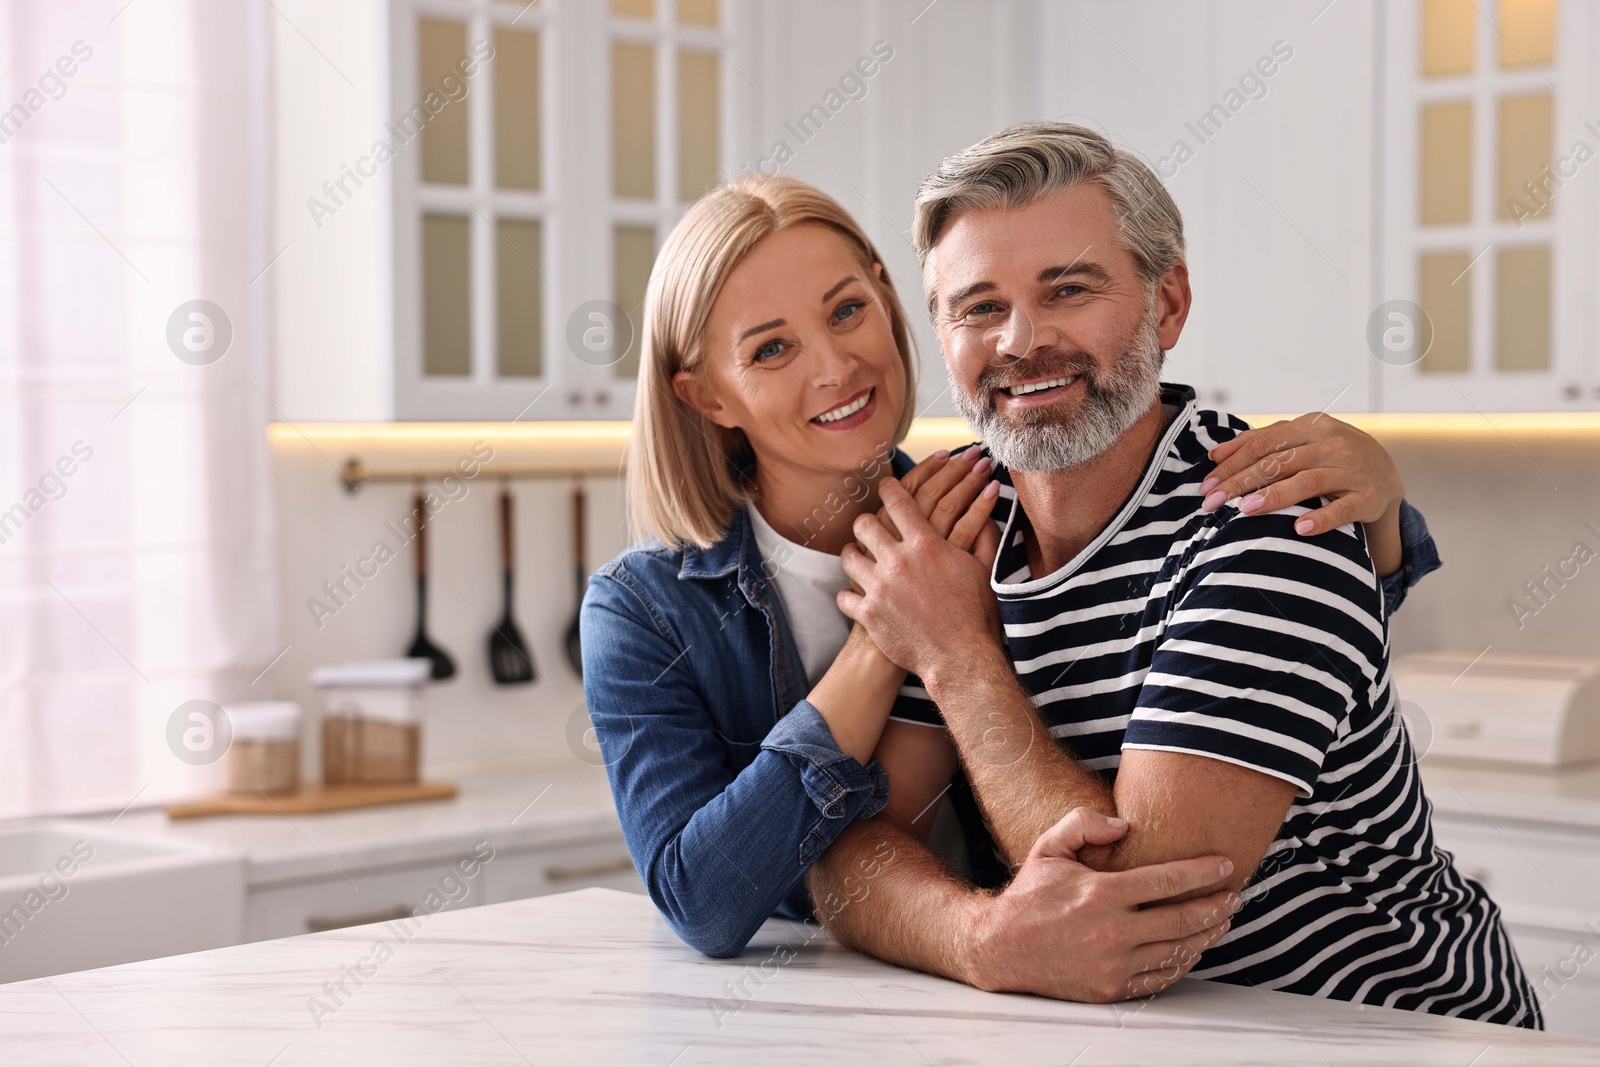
[(1020, 334)]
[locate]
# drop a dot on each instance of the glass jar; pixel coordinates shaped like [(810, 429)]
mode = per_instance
[(371, 728), (265, 754)]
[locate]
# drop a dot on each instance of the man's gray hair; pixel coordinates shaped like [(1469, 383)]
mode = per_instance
[(1030, 160)]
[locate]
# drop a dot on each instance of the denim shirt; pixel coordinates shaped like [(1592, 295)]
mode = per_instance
[(727, 781)]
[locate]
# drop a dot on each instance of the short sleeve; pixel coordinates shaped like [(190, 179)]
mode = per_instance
[(1273, 640)]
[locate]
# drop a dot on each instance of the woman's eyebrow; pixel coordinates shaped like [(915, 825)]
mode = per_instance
[(829, 294), (752, 331)]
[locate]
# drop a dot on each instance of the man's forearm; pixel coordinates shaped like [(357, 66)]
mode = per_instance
[(910, 910), (1024, 779)]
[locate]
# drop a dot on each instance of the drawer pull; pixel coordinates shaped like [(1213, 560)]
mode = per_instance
[(596, 870), (318, 925)]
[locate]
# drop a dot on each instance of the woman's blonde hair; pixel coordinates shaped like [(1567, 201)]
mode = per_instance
[(683, 469)]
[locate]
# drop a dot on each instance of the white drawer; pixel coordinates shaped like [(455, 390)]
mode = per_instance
[(560, 869), (364, 897), (1541, 877)]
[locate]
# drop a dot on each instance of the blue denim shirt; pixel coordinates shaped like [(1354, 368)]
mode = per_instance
[(727, 781)]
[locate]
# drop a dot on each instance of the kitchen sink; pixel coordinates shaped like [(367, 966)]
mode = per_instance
[(75, 895)]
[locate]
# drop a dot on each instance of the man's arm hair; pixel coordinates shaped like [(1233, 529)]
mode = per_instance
[(906, 912)]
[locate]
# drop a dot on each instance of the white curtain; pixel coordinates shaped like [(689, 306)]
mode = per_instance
[(137, 551)]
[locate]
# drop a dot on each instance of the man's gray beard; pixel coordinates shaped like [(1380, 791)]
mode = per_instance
[(1044, 439)]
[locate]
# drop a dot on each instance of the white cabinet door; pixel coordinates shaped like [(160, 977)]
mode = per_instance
[(361, 897), (560, 869)]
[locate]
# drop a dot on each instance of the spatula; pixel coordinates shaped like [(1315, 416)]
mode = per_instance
[(421, 648), (509, 660), (581, 581)]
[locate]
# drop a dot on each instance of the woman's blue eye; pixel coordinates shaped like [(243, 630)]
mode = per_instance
[(847, 310), (770, 350)]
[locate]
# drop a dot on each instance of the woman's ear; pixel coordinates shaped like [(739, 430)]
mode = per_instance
[(693, 391)]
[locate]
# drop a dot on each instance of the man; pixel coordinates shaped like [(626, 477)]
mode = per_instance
[(1211, 680)]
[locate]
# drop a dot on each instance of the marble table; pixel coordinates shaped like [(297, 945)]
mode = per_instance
[(596, 977)]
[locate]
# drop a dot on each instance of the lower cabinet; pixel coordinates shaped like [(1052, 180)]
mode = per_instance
[(359, 897), (1546, 880)]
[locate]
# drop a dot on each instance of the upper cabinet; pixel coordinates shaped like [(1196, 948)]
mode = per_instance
[(1488, 232), (1389, 207)]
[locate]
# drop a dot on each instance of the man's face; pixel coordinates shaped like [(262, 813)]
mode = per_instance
[(1052, 341)]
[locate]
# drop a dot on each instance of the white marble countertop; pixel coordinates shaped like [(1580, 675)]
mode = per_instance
[(597, 977), (518, 808), (1567, 797)]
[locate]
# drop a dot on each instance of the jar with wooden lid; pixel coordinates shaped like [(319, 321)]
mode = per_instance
[(265, 754)]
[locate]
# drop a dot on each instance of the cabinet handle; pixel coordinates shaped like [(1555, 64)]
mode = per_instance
[(572, 874), (317, 925)]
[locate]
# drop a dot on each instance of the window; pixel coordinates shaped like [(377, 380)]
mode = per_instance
[(559, 143), (1484, 128)]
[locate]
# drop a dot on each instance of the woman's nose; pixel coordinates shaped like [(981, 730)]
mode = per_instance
[(833, 363)]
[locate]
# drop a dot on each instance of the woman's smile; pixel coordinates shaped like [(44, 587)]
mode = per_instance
[(855, 411)]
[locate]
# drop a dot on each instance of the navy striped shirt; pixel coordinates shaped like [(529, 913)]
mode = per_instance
[(1232, 637)]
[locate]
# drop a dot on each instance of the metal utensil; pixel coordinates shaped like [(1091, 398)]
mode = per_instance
[(580, 580), (509, 659), (421, 647)]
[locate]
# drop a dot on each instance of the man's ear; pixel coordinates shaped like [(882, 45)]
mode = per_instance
[(1172, 305), (692, 390)]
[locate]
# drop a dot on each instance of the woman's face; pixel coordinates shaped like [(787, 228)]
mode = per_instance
[(800, 355)]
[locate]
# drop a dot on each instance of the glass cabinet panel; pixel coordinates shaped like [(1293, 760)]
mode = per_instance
[(697, 123), (1449, 37), (633, 254), (442, 44), (633, 120), (1446, 171), (1527, 33), (1522, 309), (446, 295), (1527, 125), (634, 9), (519, 298), (1446, 297), (697, 12), (517, 109)]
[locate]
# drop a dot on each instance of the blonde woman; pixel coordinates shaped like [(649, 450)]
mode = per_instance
[(743, 720)]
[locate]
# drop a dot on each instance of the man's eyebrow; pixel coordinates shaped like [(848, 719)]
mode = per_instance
[(962, 295), (844, 282), (1092, 271), (752, 331)]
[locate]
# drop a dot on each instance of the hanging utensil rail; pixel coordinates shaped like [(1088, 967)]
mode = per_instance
[(354, 474)]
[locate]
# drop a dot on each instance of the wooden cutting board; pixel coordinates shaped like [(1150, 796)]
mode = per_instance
[(311, 799)]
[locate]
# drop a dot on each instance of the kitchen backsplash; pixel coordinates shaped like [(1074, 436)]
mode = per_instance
[(1506, 511)]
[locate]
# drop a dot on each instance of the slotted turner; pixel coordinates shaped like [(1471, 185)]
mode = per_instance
[(509, 659)]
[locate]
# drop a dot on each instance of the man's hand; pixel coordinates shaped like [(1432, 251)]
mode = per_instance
[(924, 598), (1063, 930)]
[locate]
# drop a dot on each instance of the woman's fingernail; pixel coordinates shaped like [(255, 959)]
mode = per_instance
[(982, 466), (1235, 902), (1210, 483), (1252, 503), (1213, 501), (991, 491), (1227, 867), (1304, 526), (943, 453)]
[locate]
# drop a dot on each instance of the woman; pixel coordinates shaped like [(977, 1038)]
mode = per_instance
[(738, 711)]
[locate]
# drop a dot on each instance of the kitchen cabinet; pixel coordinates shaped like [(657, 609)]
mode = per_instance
[(357, 897), (522, 219), (1546, 879)]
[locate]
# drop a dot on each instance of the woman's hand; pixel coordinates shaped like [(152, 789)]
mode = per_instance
[(957, 495), (1315, 455)]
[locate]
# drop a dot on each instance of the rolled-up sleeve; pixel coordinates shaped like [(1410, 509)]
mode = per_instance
[(719, 850), (1419, 557)]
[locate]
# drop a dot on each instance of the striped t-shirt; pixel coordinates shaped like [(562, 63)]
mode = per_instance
[(1230, 636)]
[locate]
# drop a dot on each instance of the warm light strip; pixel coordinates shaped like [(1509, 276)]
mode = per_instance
[(923, 431)]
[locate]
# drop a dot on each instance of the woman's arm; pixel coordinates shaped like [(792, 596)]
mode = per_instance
[(719, 850), (1275, 466)]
